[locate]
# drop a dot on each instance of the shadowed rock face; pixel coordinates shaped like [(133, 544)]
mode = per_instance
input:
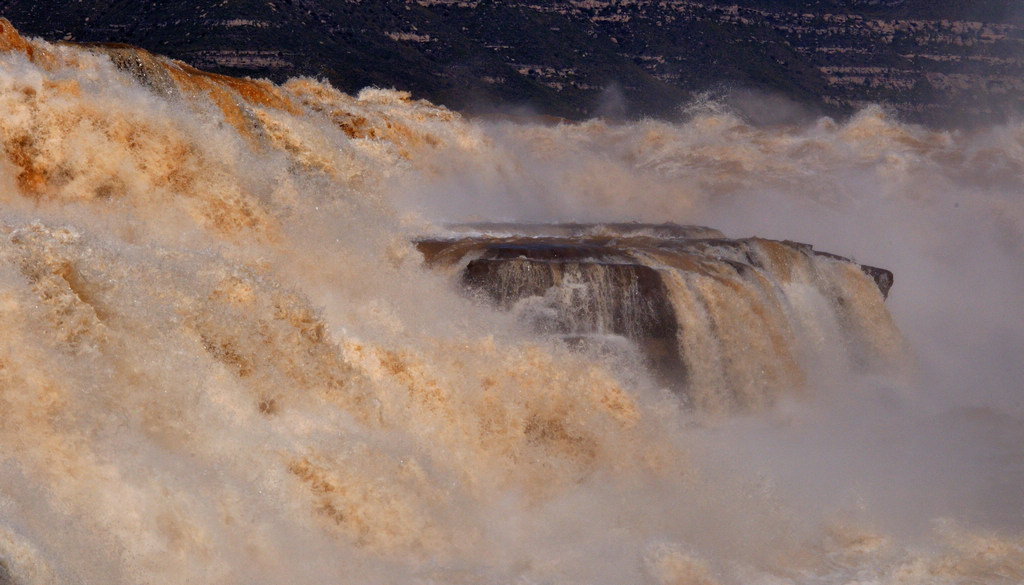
[(641, 282), (582, 292)]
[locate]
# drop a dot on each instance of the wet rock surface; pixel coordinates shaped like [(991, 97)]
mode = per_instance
[(594, 281)]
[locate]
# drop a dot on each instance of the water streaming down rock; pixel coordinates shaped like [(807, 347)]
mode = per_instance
[(223, 361), (710, 314)]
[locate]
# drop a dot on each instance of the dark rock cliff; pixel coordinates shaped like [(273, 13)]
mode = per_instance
[(940, 62)]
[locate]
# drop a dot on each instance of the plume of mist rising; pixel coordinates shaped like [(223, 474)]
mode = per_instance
[(231, 367), (612, 104), (893, 452), (756, 107)]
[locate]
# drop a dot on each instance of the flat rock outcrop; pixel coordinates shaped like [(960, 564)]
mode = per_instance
[(651, 284)]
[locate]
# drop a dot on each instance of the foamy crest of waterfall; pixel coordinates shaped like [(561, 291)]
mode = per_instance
[(223, 360)]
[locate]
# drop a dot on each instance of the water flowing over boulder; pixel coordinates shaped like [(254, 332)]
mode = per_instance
[(717, 318)]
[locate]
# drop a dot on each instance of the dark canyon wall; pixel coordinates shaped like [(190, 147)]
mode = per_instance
[(940, 62)]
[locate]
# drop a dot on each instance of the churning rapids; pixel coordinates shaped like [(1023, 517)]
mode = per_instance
[(264, 334)]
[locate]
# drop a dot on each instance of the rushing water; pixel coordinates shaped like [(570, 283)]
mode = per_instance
[(223, 359)]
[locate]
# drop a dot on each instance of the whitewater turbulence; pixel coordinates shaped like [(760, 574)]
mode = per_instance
[(279, 334)]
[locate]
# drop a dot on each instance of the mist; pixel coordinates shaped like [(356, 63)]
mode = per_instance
[(225, 361), (940, 439)]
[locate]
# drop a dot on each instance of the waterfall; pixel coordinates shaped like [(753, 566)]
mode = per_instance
[(726, 323)]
